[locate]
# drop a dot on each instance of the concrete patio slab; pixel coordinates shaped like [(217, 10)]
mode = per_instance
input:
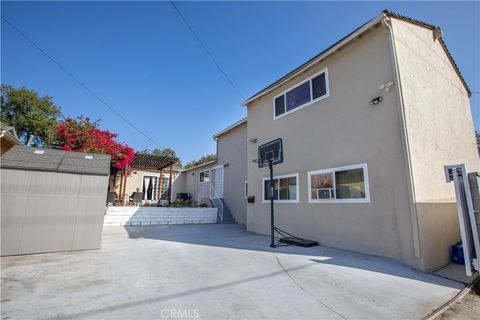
[(214, 272), (456, 272)]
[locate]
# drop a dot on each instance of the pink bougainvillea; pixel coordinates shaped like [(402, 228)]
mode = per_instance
[(81, 135)]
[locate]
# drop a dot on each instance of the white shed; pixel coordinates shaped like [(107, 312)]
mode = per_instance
[(52, 200)]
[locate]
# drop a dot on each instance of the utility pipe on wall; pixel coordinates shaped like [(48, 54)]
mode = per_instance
[(406, 145)]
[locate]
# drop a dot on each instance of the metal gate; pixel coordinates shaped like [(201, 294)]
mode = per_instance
[(466, 216), (217, 182)]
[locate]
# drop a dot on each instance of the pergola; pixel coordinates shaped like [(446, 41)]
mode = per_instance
[(148, 162)]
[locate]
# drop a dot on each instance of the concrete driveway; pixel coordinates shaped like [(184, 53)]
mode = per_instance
[(216, 272)]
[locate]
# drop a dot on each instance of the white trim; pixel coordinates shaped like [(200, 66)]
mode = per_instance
[(236, 124), (200, 173), (245, 189), (333, 170), (279, 177), (309, 79), (320, 57)]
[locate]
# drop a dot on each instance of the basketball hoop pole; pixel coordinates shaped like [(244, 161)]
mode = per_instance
[(272, 189)]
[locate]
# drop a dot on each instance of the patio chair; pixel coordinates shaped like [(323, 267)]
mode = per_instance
[(112, 197), (137, 198)]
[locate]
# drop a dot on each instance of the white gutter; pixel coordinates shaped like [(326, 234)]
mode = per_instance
[(405, 143), (352, 36)]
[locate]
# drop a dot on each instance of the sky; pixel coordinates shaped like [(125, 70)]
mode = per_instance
[(143, 61)]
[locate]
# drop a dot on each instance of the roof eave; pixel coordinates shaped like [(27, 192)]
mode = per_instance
[(200, 165), (323, 55), (233, 126)]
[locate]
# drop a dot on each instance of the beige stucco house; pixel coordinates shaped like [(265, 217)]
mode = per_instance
[(367, 127), (225, 178), (155, 190)]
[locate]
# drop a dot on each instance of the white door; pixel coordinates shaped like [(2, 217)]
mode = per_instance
[(217, 183)]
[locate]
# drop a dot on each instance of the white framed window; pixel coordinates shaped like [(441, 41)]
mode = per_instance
[(285, 189), (302, 95), (246, 189), (204, 176), (347, 184)]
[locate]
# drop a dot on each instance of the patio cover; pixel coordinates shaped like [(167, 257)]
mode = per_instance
[(148, 162)]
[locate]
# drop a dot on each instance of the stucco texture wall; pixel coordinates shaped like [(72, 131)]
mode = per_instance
[(440, 132), (199, 191), (135, 180), (340, 130), (232, 153)]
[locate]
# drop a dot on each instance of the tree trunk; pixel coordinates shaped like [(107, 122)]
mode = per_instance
[(30, 137)]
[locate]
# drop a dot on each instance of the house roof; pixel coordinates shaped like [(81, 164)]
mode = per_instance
[(345, 40), (233, 126), (39, 159), (151, 162), (9, 133), (442, 42), (201, 165)]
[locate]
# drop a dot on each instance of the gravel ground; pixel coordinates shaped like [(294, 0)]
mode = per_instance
[(466, 308)]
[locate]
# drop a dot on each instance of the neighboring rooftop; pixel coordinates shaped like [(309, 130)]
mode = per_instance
[(9, 133), (39, 159), (345, 40)]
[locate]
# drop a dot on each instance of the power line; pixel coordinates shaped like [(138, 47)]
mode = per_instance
[(206, 49), (81, 83)]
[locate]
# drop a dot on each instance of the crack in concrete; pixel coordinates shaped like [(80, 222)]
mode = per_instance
[(305, 290)]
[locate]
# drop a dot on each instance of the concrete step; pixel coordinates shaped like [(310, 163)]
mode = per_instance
[(227, 214)]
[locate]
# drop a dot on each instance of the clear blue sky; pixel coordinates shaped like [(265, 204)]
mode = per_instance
[(142, 59)]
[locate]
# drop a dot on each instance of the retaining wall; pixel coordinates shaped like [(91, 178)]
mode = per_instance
[(135, 216)]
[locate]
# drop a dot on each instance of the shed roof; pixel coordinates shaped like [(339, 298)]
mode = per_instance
[(345, 40), (151, 162), (39, 159)]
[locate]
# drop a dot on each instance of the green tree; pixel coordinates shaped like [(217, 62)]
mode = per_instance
[(33, 117), (163, 152), (207, 158)]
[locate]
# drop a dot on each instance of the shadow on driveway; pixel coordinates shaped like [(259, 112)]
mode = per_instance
[(236, 237)]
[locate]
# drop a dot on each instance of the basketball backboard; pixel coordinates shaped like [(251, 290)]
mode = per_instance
[(270, 151)]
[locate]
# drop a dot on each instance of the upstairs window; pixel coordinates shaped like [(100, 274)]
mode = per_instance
[(313, 89)]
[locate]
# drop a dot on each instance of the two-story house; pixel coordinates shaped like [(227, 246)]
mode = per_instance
[(367, 127)]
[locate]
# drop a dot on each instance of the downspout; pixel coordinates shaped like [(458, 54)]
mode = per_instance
[(406, 144)]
